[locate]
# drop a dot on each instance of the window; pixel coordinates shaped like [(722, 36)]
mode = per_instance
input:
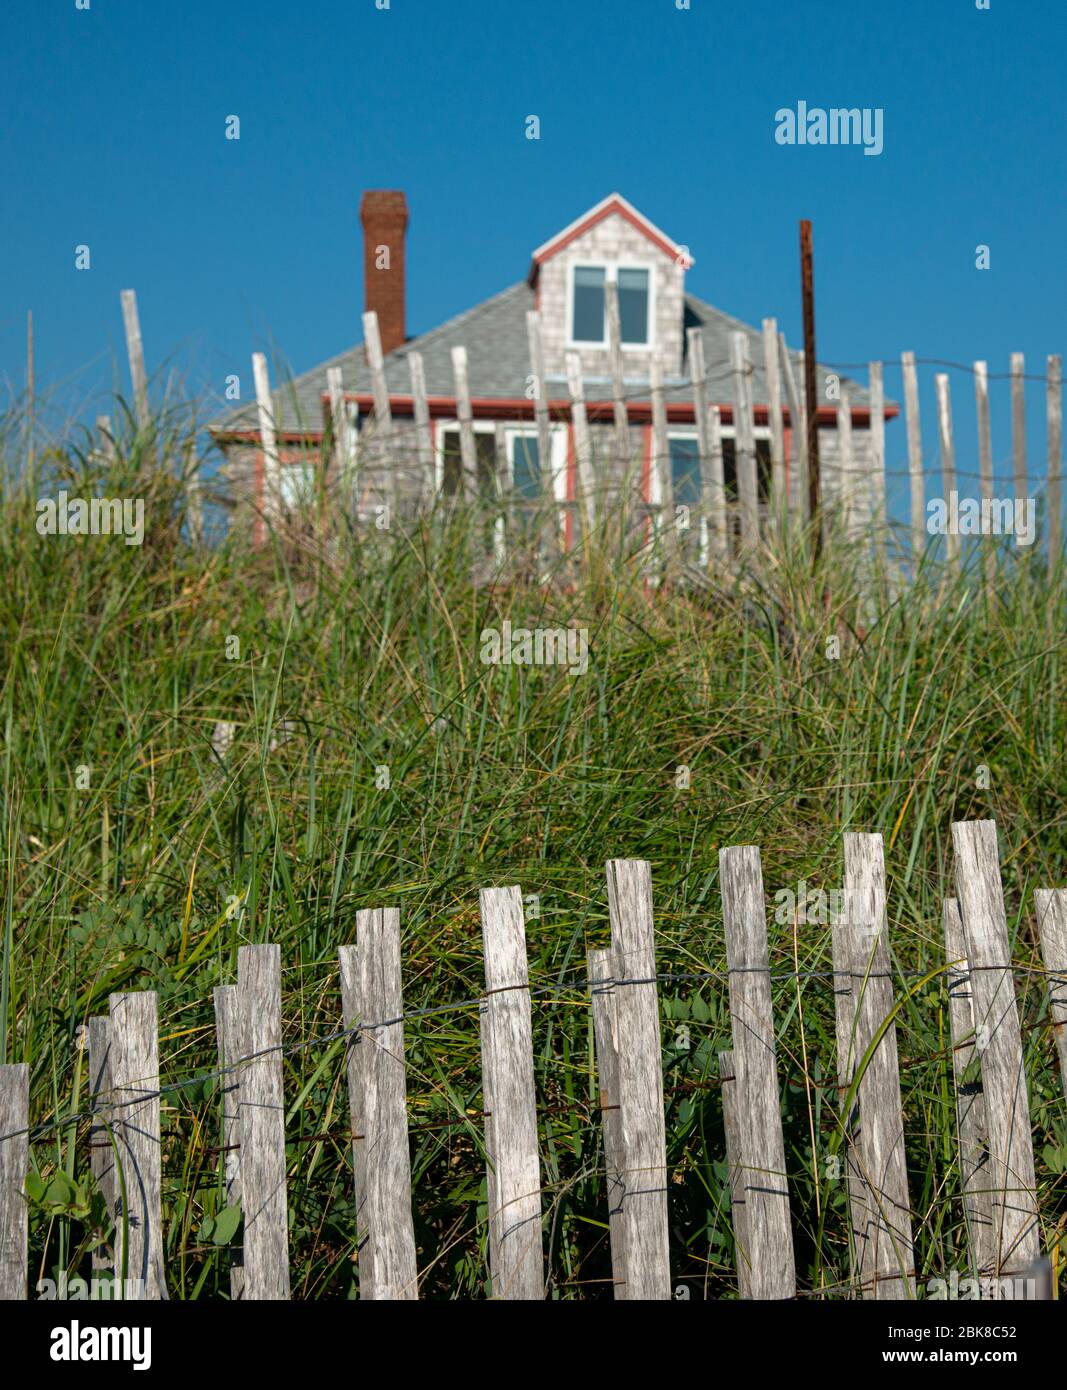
[(685, 471), (588, 324), (633, 305), (763, 468), (452, 458), (297, 485), (525, 465), (685, 468), (588, 316)]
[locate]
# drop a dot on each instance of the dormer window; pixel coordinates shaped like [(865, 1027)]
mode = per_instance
[(588, 314)]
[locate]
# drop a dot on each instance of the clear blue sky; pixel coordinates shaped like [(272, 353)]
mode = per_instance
[(113, 122)]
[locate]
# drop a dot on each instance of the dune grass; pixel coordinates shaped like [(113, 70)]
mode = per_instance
[(803, 705)]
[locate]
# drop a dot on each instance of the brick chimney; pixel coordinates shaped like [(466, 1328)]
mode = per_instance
[(384, 214)]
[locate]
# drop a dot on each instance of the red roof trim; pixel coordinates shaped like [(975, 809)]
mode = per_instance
[(613, 205), (519, 408)]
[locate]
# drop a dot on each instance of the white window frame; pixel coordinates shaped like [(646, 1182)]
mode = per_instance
[(655, 481), (611, 274), (557, 436), (442, 428)]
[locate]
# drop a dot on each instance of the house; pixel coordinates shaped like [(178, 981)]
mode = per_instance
[(568, 285)]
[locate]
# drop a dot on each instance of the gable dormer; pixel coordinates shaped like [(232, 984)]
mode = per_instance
[(611, 242)]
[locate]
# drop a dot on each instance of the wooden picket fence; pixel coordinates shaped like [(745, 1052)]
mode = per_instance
[(998, 1187), (721, 528)]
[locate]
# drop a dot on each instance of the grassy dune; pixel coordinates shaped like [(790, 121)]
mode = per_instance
[(150, 874)]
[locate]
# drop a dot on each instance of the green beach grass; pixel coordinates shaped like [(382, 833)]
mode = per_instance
[(153, 871)]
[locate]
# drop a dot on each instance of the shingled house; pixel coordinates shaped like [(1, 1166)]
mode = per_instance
[(567, 284)]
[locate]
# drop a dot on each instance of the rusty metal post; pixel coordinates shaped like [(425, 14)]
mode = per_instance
[(807, 290)]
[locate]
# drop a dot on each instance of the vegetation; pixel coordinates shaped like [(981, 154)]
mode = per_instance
[(136, 859)]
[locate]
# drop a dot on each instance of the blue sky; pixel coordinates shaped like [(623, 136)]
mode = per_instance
[(114, 119)]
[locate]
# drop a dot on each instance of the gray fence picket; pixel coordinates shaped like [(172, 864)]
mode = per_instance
[(605, 1038), (1016, 1230), (133, 1032), (744, 441), (231, 1051), (644, 1143), (735, 1167), (14, 1166), (885, 1254), (1050, 907), (262, 1119), (845, 1037), (372, 999), (516, 1251), (101, 1152), (758, 1103), (975, 1178)]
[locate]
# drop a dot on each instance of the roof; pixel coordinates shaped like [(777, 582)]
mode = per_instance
[(494, 334), (614, 203)]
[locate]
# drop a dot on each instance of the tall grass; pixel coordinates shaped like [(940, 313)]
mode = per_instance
[(120, 661)]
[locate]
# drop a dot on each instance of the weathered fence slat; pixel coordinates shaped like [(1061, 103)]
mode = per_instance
[(583, 443), (849, 497), (262, 1121), (14, 1166), (231, 1051), (975, 1177), (101, 1152), (1050, 907), (372, 1001), (383, 411), (758, 1105), (774, 419), (948, 459), (884, 1240), (644, 1143), (744, 442), (516, 1251), (135, 352), (133, 1034), (985, 459), (845, 1037), (1054, 411), (605, 1039), (420, 407), (268, 441), (618, 391), (107, 438), (344, 443), (798, 481), (465, 416), (716, 487), (661, 458), (915, 457), (712, 490), (876, 390), (1016, 1232), (735, 1167), (550, 539), (1018, 424)]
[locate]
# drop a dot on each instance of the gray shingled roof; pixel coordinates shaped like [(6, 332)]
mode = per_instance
[(494, 334)]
